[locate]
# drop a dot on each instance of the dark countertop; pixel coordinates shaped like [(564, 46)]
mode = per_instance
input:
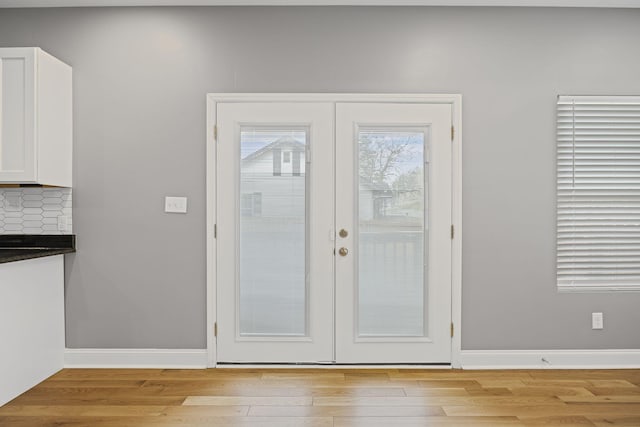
[(18, 247)]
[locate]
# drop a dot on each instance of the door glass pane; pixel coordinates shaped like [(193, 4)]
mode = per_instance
[(391, 233), (273, 255)]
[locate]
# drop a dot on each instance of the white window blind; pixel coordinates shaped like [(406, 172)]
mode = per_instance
[(598, 193)]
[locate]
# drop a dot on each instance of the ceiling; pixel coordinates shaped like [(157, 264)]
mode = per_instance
[(526, 3)]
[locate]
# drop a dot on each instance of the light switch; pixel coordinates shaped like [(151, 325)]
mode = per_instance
[(175, 204)]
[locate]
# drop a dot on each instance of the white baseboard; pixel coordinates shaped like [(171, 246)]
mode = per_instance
[(550, 359), (469, 359), (135, 358)]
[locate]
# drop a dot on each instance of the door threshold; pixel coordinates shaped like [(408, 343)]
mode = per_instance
[(330, 365)]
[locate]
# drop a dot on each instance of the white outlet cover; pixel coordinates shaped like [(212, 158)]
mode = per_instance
[(175, 204), (62, 223), (597, 321), (13, 202)]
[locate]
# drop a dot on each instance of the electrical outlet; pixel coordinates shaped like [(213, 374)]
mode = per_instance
[(175, 204), (13, 202), (597, 321), (62, 223)]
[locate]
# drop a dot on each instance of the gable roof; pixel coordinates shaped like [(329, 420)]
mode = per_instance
[(284, 142)]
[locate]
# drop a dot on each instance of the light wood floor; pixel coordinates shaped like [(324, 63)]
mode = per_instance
[(321, 397)]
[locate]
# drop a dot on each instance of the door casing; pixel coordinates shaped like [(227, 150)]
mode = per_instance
[(455, 100)]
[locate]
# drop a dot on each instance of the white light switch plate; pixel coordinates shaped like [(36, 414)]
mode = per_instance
[(175, 204)]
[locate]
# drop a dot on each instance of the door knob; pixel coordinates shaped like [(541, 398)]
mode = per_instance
[(343, 233), (343, 251)]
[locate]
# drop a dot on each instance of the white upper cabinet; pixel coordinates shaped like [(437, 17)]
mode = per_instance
[(35, 118)]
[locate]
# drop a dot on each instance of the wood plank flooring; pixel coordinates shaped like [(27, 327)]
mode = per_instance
[(328, 398)]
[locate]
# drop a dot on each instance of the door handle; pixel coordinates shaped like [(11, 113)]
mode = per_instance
[(343, 251), (343, 233)]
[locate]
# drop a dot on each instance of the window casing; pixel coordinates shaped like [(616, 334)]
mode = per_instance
[(598, 193)]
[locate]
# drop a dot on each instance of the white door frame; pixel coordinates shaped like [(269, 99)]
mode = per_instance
[(455, 100)]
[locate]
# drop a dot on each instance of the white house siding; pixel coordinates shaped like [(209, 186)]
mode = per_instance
[(283, 195)]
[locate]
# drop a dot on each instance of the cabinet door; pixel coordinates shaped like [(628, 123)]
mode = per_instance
[(31, 323), (17, 115)]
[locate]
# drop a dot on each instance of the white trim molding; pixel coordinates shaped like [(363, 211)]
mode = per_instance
[(135, 358), (472, 3), (550, 359), (468, 359)]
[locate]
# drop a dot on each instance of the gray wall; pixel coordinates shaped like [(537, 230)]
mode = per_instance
[(140, 78)]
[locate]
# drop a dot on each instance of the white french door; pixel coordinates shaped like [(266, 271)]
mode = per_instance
[(333, 232), (393, 207), (274, 216)]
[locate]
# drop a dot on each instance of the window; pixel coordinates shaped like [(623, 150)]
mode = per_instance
[(277, 162), (598, 193), (251, 204)]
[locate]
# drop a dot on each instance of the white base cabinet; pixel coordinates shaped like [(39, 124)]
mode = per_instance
[(31, 323), (35, 118)]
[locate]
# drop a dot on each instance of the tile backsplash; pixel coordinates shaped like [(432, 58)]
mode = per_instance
[(35, 210)]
